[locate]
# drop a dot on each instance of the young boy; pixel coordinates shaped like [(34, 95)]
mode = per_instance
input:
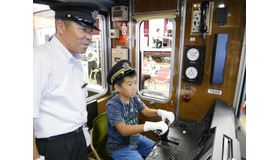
[(124, 138)]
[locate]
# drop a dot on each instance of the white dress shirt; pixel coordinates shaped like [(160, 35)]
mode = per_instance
[(59, 102)]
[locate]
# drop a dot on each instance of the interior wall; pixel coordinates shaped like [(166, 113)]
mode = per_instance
[(154, 5), (201, 100)]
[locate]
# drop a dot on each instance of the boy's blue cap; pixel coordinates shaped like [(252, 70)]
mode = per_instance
[(83, 13), (119, 70)]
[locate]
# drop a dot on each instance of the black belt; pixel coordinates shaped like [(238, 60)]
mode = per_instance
[(61, 135)]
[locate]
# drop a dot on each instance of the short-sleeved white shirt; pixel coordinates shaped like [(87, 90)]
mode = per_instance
[(59, 101)]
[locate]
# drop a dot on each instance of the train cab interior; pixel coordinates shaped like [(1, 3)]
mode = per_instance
[(196, 53)]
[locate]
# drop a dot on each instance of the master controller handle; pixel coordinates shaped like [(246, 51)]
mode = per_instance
[(158, 131)]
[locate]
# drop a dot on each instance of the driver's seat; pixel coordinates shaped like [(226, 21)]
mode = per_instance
[(99, 135)]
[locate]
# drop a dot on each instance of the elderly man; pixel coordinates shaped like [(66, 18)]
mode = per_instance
[(59, 109)]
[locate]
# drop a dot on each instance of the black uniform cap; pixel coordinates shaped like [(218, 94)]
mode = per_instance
[(83, 13), (119, 70)]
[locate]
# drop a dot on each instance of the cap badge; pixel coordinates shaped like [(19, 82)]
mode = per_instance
[(126, 65), (94, 15), (68, 15)]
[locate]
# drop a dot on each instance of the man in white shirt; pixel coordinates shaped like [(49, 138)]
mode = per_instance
[(158, 39), (59, 102)]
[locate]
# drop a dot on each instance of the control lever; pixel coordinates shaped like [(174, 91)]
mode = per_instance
[(164, 136)]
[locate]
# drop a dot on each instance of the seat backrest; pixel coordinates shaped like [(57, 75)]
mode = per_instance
[(99, 137), (164, 69), (100, 131)]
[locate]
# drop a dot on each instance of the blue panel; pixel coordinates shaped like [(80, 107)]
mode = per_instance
[(219, 58)]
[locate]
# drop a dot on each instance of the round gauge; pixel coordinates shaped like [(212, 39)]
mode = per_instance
[(193, 54), (191, 72)]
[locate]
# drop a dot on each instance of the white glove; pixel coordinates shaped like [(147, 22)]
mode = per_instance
[(152, 126), (166, 114)]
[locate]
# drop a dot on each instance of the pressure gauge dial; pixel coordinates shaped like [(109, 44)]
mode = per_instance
[(193, 54), (191, 72)]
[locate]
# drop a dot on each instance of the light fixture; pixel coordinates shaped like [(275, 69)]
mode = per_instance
[(221, 5)]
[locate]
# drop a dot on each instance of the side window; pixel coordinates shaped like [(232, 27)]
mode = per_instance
[(93, 60), (43, 24), (155, 48)]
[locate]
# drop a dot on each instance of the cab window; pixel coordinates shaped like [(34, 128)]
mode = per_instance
[(155, 50)]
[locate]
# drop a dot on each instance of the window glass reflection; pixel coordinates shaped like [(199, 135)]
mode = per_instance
[(91, 61), (155, 58)]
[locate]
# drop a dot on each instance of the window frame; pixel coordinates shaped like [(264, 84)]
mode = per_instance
[(171, 88), (104, 65)]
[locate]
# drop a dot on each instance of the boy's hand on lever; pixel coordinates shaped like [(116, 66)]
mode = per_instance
[(166, 115), (152, 126)]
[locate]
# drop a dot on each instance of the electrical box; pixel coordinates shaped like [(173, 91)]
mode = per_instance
[(196, 13), (119, 54), (119, 13), (221, 15), (114, 33)]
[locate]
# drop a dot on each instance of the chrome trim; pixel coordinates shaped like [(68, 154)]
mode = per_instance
[(130, 31), (172, 62), (240, 77), (181, 53), (109, 60), (104, 60)]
